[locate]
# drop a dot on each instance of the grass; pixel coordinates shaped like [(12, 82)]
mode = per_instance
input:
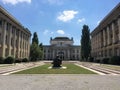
[(71, 69)]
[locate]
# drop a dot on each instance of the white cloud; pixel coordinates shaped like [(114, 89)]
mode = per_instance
[(46, 32), (67, 15), (98, 22), (13, 2), (57, 2), (81, 20), (60, 32)]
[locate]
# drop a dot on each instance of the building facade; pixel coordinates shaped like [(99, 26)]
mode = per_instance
[(106, 36), (14, 38), (62, 46)]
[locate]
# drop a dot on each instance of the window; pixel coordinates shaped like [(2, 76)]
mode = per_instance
[(8, 26), (0, 23), (12, 30), (11, 41), (0, 38), (6, 39)]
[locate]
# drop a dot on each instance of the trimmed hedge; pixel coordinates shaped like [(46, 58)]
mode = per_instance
[(97, 61), (91, 59), (9, 60), (105, 60), (115, 60), (18, 60), (25, 60), (1, 60)]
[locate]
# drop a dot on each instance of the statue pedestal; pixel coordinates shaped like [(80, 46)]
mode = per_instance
[(62, 67)]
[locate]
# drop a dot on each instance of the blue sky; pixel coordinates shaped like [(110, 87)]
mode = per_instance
[(51, 18)]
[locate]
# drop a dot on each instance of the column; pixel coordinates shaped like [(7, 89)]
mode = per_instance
[(100, 43), (108, 34), (104, 40), (29, 46), (113, 32), (23, 45), (9, 41), (119, 28), (53, 54), (4, 38), (68, 54), (14, 43), (18, 53), (119, 34)]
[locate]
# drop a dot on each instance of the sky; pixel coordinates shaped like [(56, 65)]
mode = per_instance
[(53, 18)]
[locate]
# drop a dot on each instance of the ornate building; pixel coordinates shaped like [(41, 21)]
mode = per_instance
[(62, 46), (14, 38), (106, 36)]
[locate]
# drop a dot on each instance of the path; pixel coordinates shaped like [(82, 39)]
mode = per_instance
[(18, 67)]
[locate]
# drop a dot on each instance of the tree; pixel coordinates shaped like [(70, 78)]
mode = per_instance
[(85, 43), (35, 52), (36, 49), (35, 38), (41, 46)]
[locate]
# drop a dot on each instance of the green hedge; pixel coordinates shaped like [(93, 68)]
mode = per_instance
[(18, 60), (115, 60), (25, 60), (105, 60), (9, 60), (1, 60), (91, 59)]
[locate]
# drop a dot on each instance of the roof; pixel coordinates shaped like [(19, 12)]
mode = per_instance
[(112, 15), (61, 38), (12, 18)]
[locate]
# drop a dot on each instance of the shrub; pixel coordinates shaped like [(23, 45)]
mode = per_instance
[(97, 61), (115, 60), (105, 60), (91, 59), (1, 60), (24, 60), (9, 60), (18, 60)]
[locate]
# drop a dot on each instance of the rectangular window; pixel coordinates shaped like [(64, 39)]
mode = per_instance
[(0, 23), (6, 39), (0, 38), (7, 26), (12, 30)]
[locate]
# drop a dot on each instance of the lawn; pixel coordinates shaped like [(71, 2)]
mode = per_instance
[(71, 69)]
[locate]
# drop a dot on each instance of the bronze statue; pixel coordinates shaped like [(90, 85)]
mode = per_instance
[(57, 62)]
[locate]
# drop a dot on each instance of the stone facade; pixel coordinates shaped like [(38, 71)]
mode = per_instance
[(62, 46), (106, 36), (14, 38)]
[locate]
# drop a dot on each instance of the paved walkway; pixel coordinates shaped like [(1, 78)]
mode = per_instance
[(104, 69), (56, 81), (5, 70), (59, 82)]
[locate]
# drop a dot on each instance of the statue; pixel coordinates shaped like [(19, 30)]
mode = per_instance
[(57, 62)]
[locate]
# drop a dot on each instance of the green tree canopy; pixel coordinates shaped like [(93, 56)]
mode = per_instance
[(35, 38), (36, 49), (35, 52), (85, 42)]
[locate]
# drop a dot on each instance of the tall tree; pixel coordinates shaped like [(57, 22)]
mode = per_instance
[(85, 43), (35, 38), (36, 49), (35, 52)]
